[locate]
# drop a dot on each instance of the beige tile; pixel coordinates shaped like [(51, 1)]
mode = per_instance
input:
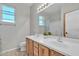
[(14, 53)]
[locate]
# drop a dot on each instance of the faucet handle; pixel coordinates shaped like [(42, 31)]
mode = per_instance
[(66, 32)]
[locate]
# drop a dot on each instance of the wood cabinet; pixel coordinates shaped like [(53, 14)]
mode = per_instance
[(43, 51), (29, 47), (34, 48)]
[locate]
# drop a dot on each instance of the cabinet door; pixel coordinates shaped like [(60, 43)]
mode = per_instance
[(29, 47), (51, 53), (54, 53), (43, 51), (36, 49)]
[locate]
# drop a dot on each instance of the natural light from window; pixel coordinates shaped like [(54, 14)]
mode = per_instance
[(8, 14), (41, 21)]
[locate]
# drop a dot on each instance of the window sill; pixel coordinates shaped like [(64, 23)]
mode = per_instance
[(7, 23)]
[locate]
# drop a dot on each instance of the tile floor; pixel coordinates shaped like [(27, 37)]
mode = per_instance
[(14, 53)]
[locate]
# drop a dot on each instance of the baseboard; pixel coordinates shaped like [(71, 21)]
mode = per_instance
[(11, 49), (8, 50)]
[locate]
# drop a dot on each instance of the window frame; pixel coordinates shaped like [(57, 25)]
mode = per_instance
[(1, 18), (43, 20)]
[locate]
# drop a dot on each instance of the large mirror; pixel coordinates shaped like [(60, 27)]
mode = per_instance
[(50, 20), (61, 19)]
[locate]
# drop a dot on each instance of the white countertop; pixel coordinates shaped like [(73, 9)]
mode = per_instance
[(68, 46)]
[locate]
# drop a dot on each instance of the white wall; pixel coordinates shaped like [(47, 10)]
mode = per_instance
[(68, 7), (12, 35), (55, 23), (33, 19)]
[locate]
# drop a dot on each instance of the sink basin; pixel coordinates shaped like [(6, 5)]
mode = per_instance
[(56, 43), (59, 44), (52, 41)]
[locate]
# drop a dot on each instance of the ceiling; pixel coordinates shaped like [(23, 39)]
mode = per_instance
[(19, 4), (55, 8)]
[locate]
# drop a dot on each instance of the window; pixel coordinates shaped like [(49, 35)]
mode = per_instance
[(41, 21), (8, 14)]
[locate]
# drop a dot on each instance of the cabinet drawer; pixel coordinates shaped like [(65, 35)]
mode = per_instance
[(36, 44)]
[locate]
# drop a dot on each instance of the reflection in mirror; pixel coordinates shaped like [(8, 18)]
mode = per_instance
[(72, 24), (42, 24), (49, 20), (61, 19), (41, 21)]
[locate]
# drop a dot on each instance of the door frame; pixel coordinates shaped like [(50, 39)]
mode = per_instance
[(65, 21)]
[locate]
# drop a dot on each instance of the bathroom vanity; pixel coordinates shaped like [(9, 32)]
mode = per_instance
[(40, 46), (35, 48)]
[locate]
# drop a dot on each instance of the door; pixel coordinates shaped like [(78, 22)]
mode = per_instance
[(72, 24)]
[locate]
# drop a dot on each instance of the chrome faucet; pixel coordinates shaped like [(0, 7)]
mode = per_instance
[(59, 39)]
